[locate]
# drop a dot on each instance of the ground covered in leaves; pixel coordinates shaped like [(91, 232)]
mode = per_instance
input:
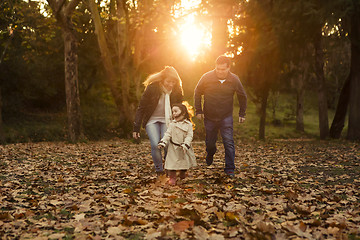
[(300, 189)]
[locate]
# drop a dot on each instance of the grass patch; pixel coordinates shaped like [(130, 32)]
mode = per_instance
[(36, 127), (101, 122), (282, 125)]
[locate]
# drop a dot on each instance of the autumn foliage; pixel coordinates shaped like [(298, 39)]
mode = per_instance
[(107, 190)]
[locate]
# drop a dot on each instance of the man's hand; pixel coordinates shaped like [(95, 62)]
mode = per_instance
[(200, 116), (241, 119), (136, 135)]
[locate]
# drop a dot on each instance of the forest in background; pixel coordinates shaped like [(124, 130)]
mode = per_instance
[(73, 70)]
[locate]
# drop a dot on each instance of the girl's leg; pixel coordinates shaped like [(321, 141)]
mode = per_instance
[(182, 174), (172, 175), (154, 133)]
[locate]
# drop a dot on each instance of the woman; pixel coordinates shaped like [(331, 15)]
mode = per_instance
[(162, 89)]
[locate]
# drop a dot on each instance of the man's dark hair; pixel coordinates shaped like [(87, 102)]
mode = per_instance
[(223, 59)]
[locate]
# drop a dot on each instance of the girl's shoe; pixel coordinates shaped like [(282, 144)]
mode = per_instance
[(172, 181)]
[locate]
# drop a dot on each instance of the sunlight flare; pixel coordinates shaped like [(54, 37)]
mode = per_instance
[(194, 37)]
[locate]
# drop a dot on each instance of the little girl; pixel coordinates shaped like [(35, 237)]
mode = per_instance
[(180, 154)]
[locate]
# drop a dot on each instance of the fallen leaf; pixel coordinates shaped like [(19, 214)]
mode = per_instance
[(182, 226), (79, 217), (114, 230)]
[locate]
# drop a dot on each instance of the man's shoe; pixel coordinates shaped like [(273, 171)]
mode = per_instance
[(158, 174), (230, 174), (209, 159)]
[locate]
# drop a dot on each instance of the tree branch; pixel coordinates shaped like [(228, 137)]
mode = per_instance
[(56, 6), (71, 7)]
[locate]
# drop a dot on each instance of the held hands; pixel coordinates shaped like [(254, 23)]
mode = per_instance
[(241, 119), (161, 145)]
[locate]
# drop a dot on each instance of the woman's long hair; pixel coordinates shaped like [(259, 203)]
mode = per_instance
[(167, 72)]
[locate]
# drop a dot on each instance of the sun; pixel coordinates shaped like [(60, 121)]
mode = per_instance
[(194, 37)]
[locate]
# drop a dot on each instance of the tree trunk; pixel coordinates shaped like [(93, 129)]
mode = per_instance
[(354, 104), (124, 62), (71, 86), (106, 56), (300, 105), (2, 135), (62, 13), (322, 100), (341, 109), (263, 107), (304, 68)]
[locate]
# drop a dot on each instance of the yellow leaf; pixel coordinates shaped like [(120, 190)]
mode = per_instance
[(127, 190), (231, 216)]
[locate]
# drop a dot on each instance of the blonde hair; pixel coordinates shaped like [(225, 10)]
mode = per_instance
[(167, 72)]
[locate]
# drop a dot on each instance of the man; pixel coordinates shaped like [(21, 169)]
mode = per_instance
[(218, 87)]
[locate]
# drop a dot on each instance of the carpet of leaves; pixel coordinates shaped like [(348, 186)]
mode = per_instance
[(291, 189)]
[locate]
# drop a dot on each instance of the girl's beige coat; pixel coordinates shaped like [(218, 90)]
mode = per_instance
[(177, 158)]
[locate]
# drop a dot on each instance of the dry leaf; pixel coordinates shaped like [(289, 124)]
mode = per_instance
[(182, 226), (114, 230), (100, 190)]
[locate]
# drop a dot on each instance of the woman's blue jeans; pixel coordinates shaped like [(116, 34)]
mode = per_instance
[(225, 127), (155, 132)]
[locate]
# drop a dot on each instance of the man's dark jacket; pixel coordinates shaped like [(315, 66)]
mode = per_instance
[(218, 97)]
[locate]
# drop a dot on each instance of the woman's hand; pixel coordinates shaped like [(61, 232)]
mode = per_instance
[(136, 135)]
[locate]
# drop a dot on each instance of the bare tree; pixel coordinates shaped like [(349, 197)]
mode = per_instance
[(354, 103), (320, 76), (63, 11)]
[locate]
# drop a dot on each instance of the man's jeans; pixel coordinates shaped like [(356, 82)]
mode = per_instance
[(226, 130), (156, 131)]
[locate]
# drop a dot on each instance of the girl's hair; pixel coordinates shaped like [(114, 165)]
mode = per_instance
[(167, 72), (187, 110)]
